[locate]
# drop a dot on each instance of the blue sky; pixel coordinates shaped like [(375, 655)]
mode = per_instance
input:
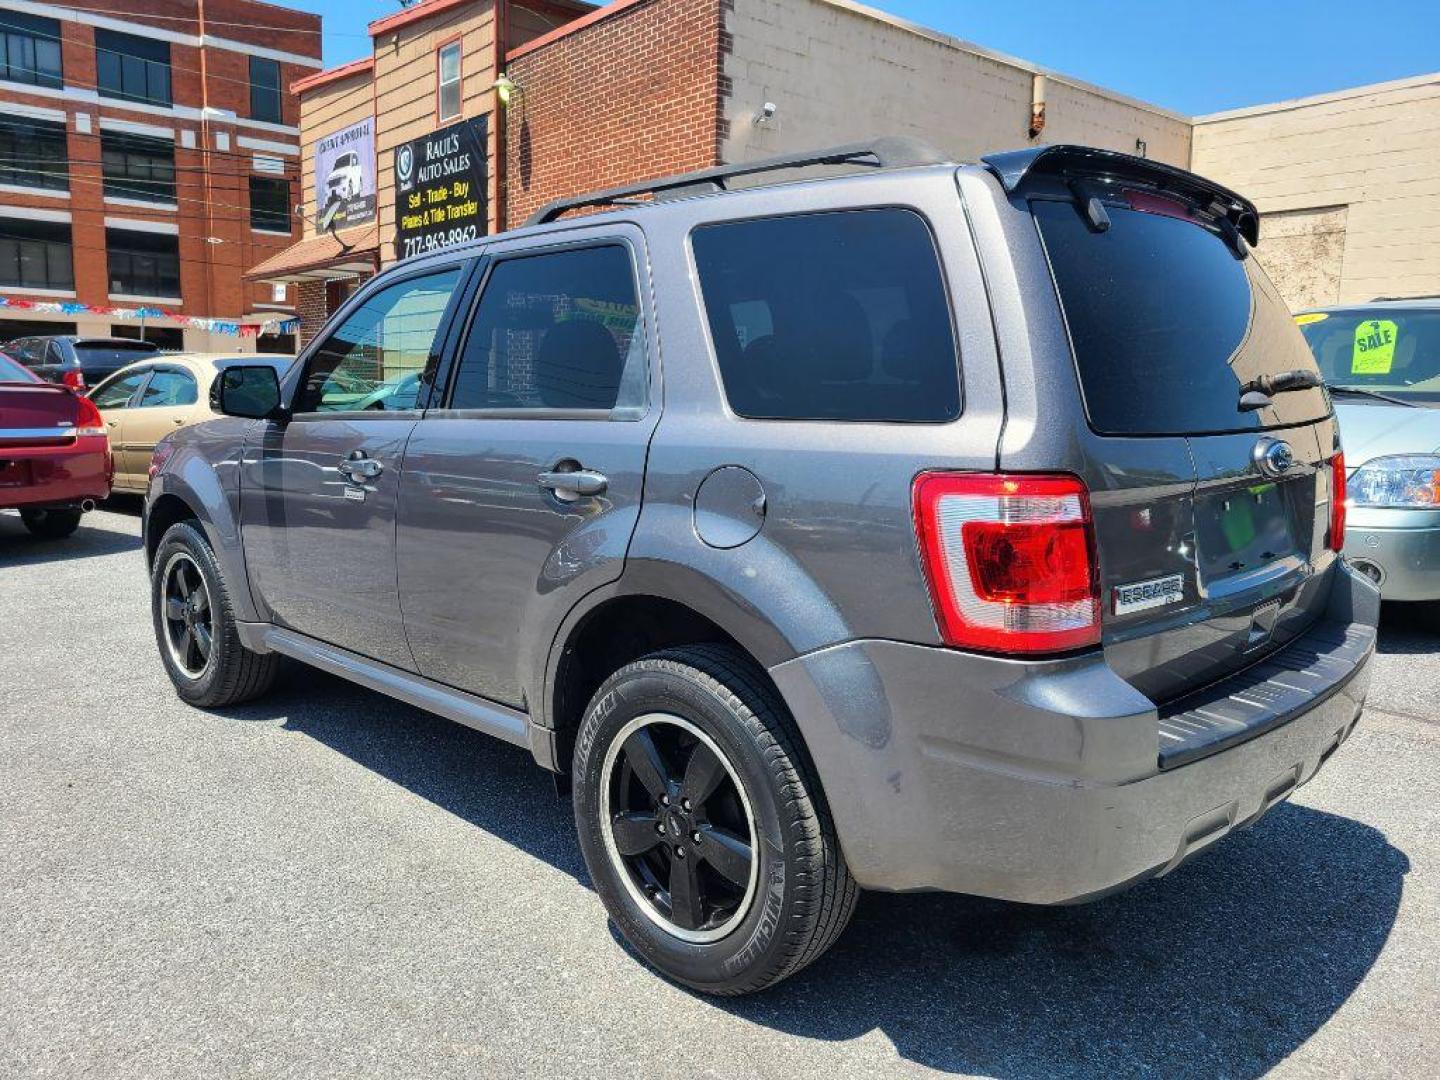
[(1193, 58)]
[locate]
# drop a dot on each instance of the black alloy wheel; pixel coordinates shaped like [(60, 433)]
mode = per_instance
[(681, 830)]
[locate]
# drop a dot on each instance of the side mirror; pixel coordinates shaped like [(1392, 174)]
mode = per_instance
[(251, 392)]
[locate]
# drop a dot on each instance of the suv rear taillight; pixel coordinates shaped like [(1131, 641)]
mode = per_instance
[(1337, 502), (74, 379), (1010, 560)]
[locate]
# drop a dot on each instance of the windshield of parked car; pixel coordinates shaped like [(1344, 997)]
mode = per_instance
[(10, 371), (112, 354), (1385, 350)]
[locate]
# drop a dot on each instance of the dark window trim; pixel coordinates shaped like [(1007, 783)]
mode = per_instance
[(33, 28), (112, 248), (30, 161), (286, 228), (300, 369), (945, 285), (135, 149), (261, 91), (620, 413)]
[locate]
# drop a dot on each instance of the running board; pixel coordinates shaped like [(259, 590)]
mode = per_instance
[(505, 723)]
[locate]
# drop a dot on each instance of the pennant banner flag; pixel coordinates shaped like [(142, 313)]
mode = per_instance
[(228, 327)]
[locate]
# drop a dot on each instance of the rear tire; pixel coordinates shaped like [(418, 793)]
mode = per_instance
[(195, 625), (51, 524), (666, 842)]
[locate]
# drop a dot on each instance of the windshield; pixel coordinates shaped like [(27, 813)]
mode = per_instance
[(1168, 325), (1386, 350)]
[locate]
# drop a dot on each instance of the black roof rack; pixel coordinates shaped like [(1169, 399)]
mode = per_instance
[(884, 153), (1014, 167)]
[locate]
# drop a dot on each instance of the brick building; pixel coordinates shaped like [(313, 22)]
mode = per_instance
[(146, 161), (597, 97)]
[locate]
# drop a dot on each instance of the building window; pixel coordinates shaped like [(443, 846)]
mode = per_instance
[(132, 68), (30, 49), (143, 263), (138, 167), (36, 255), (164, 338), (450, 81), (264, 90), (33, 154), (270, 204)]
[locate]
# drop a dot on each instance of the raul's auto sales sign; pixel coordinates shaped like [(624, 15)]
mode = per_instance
[(440, 189)]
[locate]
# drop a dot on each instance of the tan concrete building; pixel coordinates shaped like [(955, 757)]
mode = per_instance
[(1348, 187)]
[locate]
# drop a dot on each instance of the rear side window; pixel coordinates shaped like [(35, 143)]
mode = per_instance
[(555, 331), (1168, 325), (830, 316)]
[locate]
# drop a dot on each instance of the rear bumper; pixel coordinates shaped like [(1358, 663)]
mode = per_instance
[(1040, 781), (1402, 547), (54, 477)]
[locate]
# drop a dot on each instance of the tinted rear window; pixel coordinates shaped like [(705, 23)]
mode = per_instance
[(112, 354), (830, 316), (1393, 351), (1167, 324)]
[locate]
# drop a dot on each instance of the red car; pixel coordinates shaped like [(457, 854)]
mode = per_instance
[(55, 459)]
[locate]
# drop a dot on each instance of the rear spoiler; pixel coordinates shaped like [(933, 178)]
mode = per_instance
[(1016, 167)]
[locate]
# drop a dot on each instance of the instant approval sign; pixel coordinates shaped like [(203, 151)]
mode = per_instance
[(440, 181), (345, 177)]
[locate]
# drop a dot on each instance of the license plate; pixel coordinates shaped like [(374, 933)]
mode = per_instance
[(1147, 595)]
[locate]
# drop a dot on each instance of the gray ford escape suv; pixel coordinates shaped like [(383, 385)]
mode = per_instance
[(931, 526)]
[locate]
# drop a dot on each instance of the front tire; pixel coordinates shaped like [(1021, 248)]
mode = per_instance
[(195, 625), (703, 825), (51, 524)]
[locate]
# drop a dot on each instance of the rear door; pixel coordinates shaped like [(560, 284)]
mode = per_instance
[(522, 490), (319, 493), (1211, 518)]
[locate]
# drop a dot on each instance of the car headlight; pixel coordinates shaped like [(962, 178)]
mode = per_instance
[(1409, 480)]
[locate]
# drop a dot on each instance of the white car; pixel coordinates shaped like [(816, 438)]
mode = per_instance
[(345, 180)]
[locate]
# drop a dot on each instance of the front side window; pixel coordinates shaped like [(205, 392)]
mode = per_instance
[(830, 316), (449, 77), (33, 154), (116, 392), (554, 331), (270, 204), (143, 264), (30, 49), (132, 68), (264, 90), (36, 255), (392, 334), (138, 167), (169, 389)]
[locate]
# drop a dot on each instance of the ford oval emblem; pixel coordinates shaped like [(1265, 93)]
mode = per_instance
[(1273, 457)]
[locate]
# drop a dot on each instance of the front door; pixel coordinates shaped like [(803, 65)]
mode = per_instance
[(523, 490), (318, 493), (167, 402)]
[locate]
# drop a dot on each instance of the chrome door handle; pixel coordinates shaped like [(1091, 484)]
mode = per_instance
[(361, 468), (572, 485)]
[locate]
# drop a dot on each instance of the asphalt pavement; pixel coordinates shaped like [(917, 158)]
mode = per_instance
[(327, 883)]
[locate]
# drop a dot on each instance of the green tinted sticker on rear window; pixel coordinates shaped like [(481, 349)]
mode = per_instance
[(1374, 348)]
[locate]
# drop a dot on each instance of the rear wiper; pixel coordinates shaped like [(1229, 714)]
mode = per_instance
[(1257, 393), (1360, 391)]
